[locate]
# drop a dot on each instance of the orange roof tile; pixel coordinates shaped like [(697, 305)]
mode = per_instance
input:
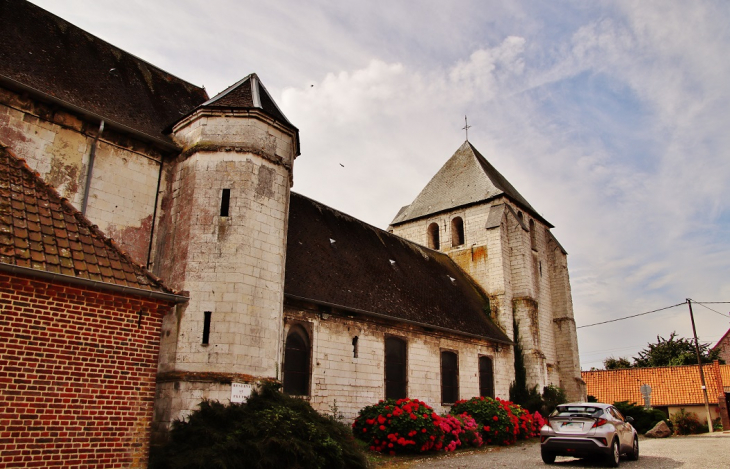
[(40, 230), (670, 385)]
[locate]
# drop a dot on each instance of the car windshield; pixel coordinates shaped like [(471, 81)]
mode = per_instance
[(577, 411)]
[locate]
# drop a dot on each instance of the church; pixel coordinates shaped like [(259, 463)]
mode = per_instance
[(251, 281)]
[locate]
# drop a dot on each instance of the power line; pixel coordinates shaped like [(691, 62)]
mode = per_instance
[(633, 315), (714, 311)]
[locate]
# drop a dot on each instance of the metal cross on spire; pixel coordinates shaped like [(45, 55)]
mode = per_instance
[(466, 128)]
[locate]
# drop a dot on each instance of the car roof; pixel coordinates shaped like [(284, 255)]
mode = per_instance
[(586, 404)]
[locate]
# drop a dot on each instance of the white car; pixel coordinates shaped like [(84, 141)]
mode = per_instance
[(585, 429)]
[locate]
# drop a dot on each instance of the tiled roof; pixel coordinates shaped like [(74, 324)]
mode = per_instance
[(43, 52), (466, 178), (41, 231), (670, 385), (335, 259)]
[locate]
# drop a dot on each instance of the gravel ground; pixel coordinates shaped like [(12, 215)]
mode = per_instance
[(700, 451)]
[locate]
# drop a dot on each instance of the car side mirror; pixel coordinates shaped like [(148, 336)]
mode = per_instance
[(629, 419)]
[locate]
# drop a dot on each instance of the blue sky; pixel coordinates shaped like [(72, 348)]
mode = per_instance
[(611, 118)]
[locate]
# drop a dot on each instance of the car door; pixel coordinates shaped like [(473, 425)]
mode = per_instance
[(622, 428)]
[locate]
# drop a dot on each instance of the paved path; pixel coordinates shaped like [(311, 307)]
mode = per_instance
[(702, 451)]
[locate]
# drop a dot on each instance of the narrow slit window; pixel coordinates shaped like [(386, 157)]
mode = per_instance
[(206, 327), (533, 239), (354, 347), (225, 202)]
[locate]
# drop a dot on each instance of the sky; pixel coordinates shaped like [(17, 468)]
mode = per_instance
[(611, 118)]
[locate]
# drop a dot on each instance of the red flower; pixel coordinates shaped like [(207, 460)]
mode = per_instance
[(382, 427), (495, 418)]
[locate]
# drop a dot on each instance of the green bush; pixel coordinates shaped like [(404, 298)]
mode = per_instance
[(271, 430), (552, 397), (686, 423), (644, 420), (405, 425)]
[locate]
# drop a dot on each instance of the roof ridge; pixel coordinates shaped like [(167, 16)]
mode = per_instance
[(73, 211)]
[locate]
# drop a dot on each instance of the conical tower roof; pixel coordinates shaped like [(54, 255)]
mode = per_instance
[(466, 178), (248, 93)]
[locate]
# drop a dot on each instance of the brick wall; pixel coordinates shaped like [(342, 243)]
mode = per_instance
[(77, 375)]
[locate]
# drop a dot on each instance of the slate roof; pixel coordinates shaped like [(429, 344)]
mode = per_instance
[(39, 230), (335, 259), (249, 93), (670, 385), (45, 53), (465, 179)]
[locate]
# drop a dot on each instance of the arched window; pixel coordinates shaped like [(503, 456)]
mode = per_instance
[(433, 236), (486, 377), (457, 231), (533, 239), (449, 377), (296, 362), (395, 368)]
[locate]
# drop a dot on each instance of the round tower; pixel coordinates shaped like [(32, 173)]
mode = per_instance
[(222, 240)]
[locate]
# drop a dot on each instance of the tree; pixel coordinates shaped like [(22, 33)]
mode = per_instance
[(611, 363), (673, 352)]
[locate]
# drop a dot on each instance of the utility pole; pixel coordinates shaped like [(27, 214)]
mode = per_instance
[(699, 363)]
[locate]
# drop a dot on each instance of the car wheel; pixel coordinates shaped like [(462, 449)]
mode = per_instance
[(614, 457), (634, 454), (547, 457)]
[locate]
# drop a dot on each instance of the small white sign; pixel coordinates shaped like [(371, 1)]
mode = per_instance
[(240, 392)]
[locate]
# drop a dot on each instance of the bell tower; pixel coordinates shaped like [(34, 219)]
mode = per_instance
[(222, 240)]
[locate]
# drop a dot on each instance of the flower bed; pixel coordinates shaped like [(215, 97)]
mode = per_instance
[(405, 425), (502, 422), (410, 425)]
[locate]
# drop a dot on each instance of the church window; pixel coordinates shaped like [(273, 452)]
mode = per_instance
[(449, 377), (486, 377), (395, 368), (533, 239), (296, 362), (354, 347), (206, 327), (457, 231), (519, 215), (225, 202), (433, 236)]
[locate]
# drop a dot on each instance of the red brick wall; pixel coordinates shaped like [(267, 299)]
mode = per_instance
[(77, 375)]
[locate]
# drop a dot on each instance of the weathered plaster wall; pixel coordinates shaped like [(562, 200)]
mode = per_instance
[(355, 382), (57, 144)]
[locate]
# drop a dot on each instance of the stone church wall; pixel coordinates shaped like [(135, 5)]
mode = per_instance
[(357, 381), (524, 273), (77, 375), (57, 145)]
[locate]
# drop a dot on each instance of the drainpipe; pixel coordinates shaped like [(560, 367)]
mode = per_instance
[(154, 214), (92, 155)]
